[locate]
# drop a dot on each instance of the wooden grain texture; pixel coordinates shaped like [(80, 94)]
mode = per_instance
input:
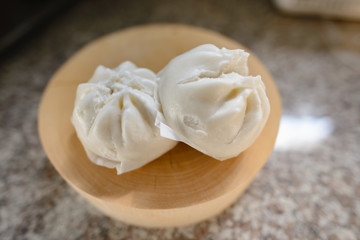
[(183, 186)]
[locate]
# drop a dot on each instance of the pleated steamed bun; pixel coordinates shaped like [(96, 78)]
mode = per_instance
[(210, 102), (114, 117)]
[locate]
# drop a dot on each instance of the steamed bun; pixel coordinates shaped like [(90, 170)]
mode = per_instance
[(210, 102), (114, 117)]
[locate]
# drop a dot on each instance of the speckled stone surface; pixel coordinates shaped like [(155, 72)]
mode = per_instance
[(309, 188)]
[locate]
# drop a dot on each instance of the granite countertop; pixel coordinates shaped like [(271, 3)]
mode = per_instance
[(308, 189)]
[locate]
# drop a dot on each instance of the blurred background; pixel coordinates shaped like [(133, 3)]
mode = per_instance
[(308, 189)]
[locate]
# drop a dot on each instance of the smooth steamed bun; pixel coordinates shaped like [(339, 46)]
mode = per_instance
[(210, 102)]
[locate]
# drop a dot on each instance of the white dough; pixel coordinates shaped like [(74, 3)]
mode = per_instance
[(114, 117), (210, 102)]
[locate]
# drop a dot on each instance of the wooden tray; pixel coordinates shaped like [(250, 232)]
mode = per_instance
[(183, 186)]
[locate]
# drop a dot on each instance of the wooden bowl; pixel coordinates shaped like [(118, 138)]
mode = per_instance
[(183, 186)]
